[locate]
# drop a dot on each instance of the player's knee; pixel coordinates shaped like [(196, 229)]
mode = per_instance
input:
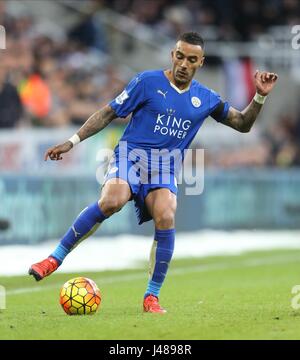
[(165, 220), (110, 205)]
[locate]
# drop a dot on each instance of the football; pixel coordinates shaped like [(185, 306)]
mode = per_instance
[(80, 296)]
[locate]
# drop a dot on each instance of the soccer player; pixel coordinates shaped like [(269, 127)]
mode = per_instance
[(168, 107)]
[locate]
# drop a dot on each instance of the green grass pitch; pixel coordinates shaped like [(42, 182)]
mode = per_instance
[(234, 297)]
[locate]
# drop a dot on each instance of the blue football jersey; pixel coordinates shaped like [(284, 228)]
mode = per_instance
[(163, 116)]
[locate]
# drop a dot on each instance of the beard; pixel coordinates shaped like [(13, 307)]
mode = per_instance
[(181, 79)]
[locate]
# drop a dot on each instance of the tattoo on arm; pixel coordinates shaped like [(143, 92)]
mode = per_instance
[(98, 121), (243, 120)]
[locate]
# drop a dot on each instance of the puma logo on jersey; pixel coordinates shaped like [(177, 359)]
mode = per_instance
[(162, 93)]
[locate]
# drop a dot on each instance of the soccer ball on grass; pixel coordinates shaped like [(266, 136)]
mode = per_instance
[(80, 296)]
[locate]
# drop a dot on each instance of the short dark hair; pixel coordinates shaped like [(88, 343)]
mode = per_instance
[(192, 38)]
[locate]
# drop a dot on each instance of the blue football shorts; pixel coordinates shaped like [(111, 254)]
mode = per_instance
[(141, 182)]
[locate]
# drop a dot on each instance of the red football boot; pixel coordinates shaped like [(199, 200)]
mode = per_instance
[(151, 305), (43, 268)]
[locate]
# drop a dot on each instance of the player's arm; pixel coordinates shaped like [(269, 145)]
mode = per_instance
[(98, 121), (243, 120)]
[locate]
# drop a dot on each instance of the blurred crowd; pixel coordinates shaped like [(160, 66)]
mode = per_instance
[(240, 20), (277, 146), (60, 82), (49, 82)]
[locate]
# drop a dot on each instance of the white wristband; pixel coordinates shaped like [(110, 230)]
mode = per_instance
[(75, 139), (260, 99)]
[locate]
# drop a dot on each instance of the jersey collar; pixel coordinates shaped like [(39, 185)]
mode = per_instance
[(175, 87), (178, 90)]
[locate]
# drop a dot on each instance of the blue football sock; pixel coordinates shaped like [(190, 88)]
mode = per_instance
[(161, 255), (85, 225)]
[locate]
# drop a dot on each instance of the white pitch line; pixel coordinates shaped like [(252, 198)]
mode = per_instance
[(173, 272)]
